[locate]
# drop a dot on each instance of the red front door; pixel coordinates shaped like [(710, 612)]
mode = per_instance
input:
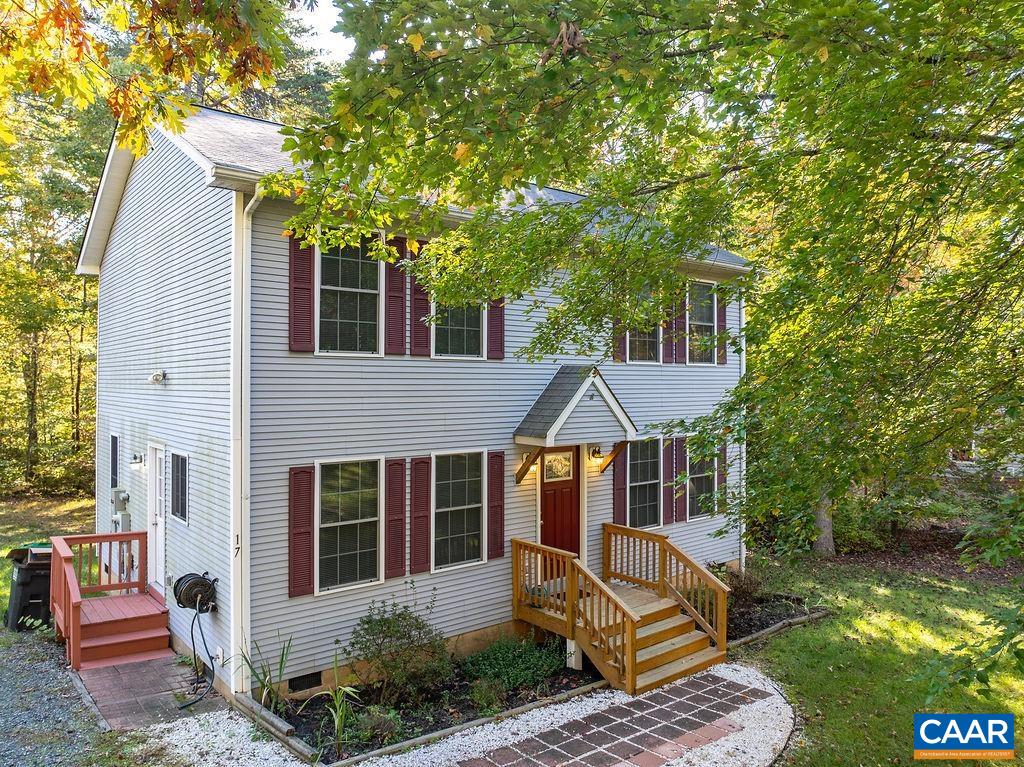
[(560, 498)]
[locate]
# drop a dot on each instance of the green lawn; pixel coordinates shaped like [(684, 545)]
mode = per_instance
[(852, 675), (23, 520)]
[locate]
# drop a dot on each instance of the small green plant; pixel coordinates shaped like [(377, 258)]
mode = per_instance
[(38, 626), (398, 653), (339, 709), (268, 678), (379, 724), (488, 695), (516, 662)]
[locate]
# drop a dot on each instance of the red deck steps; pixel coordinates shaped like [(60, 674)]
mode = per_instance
[(123, 628)]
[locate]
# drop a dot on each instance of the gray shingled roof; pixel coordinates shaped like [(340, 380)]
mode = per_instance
[(553, 400), (254, 146)]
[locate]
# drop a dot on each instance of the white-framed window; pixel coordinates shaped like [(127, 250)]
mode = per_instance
[(643, 345), (115, 461), (701, 485), (350, 300), (459, 520), (643, 483), (179, 487), (459, 331), (700, 323), (349, 549)]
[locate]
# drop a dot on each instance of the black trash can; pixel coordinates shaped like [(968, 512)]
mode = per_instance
[(30, 586)]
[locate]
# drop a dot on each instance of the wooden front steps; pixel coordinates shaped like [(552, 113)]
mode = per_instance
[(123, 629), (656, 616)]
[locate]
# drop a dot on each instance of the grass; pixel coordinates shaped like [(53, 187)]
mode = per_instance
[(854, 675), (27, 519)]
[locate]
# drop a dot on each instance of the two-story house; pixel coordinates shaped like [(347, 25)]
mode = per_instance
[(284, 419)]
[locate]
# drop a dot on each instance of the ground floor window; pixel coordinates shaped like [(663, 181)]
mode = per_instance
[(458, 508), (349, 525), (701, 485), (644, 483)]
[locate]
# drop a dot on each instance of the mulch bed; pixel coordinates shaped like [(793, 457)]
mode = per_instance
[(765, 611), (931, 550), (448, 707)]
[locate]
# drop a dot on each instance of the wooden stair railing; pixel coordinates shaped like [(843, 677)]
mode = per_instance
[(87, 564), (553, 589), (651, 560)]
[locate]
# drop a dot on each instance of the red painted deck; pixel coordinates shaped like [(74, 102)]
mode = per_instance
[(122, 629)]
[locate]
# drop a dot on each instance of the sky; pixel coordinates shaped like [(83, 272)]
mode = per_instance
[(333, 46)]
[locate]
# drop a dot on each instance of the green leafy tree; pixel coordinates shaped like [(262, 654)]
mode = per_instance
[(865, 156)]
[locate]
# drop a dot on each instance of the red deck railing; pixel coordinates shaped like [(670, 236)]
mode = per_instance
[(91, 564)]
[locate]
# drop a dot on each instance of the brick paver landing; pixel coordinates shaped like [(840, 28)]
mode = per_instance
[(645, 732)]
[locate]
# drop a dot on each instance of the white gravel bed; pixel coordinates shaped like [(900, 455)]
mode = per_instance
[(217, 739), (766, 727), (479, 740)]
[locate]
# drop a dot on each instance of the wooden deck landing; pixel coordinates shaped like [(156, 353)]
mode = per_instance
[(123, 629)]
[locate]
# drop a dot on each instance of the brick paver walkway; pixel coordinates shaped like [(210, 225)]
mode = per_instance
[(645, 732), (133, 695)]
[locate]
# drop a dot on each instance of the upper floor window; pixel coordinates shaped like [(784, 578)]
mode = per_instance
[(459, 332), (349, 524), (644, 483), (458, 509), (644, 345), (701, 323), (702, 475), (350, 301)]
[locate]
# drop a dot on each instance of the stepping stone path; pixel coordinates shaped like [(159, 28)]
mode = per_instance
[(647, 731)]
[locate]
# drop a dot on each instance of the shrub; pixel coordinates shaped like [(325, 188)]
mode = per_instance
[(516, 662), (745, 587), (488, 695), (377, 723), (398, 653)]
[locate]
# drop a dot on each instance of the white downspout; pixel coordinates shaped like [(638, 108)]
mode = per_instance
[(743, 445), (240, 327)]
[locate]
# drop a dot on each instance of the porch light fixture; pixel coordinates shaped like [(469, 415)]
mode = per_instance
[(526, 457), (136, 462), (595, 453)]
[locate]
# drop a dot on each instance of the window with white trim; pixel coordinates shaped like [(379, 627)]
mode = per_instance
[(458, 509), (644, 486), (349, 301), (179, 486), (115, 460), (644, 345), (349, 524), (700, 316), (702, 477), (459, 332)]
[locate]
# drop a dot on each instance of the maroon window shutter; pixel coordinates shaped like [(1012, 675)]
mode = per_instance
[(496, 504), (619, 466), (722, 332), (680, 335), (668, 479), (419, 331), (300, 530), (496, 330), (419, 516), (395, 291), (723, 463), (618, 343), (681, 499), (394, 518), (668, 344), (300, 296)]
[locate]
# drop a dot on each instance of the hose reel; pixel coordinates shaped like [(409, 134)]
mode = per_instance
[(193, 591)]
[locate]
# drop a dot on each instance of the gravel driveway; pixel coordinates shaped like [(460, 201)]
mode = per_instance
[(43, 718)]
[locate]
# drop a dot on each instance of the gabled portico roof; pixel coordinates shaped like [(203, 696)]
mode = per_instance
[(555, 405)]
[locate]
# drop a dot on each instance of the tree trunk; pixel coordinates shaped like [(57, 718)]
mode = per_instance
[(824, 545), (30, 376)]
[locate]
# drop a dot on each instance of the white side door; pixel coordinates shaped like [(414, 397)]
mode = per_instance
[(155, 514)]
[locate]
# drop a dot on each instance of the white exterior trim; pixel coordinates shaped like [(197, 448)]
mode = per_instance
[(661, 482), (595, 380), (317, 351), (714, 324), (483, 339), (483, 508), (105, 206)]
